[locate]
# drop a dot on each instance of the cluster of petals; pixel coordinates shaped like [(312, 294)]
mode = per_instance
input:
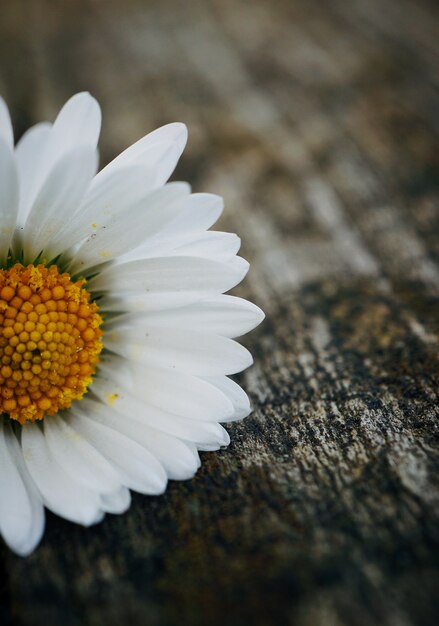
[(158, 274)]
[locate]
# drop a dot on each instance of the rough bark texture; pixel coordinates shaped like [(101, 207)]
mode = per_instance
[(318, 123)]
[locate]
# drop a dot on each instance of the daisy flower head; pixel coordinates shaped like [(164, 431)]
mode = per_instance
[(116, 338)]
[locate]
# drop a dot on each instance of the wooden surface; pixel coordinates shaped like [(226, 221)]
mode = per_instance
[(318, 122)]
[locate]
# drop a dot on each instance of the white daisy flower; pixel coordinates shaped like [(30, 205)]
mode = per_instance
[(115, 336)]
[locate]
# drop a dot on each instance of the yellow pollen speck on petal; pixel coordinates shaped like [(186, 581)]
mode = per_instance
[(104, 254), (94, 225), (111, 398), (50, 341)]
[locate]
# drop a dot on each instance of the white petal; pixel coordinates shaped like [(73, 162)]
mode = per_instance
[(192, 352), (58, 198), (139, 303), (117, 501), (6, 132), (235, 393), (78, 124), (179, 459), (8, 199), (120, 232), (101, 204), (138, 469), (79, 458), (15, 507), (159, 152), (29, 152), (21, 509), (228, 316), (172, 392), (172, 274), (38, 516), (126, 404), (61, 494), (210, 245), (181, 394), (199, 214), (223, 440)]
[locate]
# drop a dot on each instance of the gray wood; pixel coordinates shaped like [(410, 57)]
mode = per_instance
[(318, 123)]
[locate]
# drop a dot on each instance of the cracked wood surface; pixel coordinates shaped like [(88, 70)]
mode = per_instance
[(318, 123)]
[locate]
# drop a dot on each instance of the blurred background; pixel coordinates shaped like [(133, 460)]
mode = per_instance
[(318, 122)]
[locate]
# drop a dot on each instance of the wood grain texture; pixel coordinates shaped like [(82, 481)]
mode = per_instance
[(318, 123)]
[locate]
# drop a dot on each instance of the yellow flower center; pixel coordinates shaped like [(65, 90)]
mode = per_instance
[(50, 341)]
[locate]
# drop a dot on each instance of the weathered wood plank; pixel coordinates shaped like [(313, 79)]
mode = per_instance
[(318, 123)]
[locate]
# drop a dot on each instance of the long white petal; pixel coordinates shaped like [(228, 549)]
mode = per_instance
[(159, 152), (61, 494), (9, 198), (180, 394), (139, 469), (222, 441), (21, 509), (79, 458), (78, 123), (103, 203), (38, 513), (6, 131), (179, 459), (144, 302), (224, 315), (195, 431), (189, 351), (214, 245), (236, 395), (117, 501), (210, 245), (198, 213), (120, 232), (29, 152), (172, 274), (57, 199)]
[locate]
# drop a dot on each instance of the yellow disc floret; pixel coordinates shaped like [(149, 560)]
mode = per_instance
[(50, 341)]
